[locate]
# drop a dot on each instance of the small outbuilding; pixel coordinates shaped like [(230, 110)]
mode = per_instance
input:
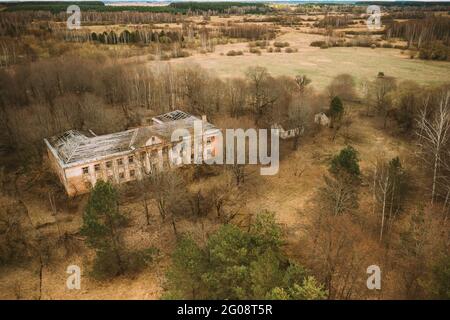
[(288, 133), (322, 119)]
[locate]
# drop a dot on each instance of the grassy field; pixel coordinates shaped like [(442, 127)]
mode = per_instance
[(321, 65)]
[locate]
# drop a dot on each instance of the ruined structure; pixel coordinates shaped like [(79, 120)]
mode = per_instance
[(290, 132), (80, 159), (322, 119)]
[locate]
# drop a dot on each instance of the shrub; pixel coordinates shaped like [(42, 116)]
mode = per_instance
[(279, 44), (318, 43), (256, 51), (180, 54), (435, 51), (346, 161), (290, 50), (165, 56), (235, 53), (261, 43), (277, 49)]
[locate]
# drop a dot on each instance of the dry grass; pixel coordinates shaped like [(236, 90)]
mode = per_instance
[(290, 194), (321, 65)]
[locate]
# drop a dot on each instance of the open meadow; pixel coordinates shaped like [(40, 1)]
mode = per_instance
[(90, 176), (321, 65)]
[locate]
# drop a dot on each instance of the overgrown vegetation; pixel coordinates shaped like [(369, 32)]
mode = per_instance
[(371, 186), (235, 264), (102, 221)]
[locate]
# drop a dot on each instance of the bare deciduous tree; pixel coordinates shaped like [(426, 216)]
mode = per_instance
[(389, 189), (338, 195), (433, 133)]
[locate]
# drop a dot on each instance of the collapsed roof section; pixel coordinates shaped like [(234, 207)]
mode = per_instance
[(171, 116), (74, 148)]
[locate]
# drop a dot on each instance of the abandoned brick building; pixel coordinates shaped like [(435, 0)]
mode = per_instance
[(80, 159)]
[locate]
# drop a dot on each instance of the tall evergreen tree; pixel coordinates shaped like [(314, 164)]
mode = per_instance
[(101, 223), (346, 162), (336, 110), (236, 264)]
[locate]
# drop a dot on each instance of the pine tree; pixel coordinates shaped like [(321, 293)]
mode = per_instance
[(346, 162), (336, 110), (101, 223), (237, 264)]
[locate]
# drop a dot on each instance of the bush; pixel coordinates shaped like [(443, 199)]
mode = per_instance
[(180, 54), (346, 161), (290, 50), (277, 50), (256, 51), (262, 43), (234, 53), (259, 43), (107, 266), (435, 51), (279, 44), (318, 43), (165, 56)]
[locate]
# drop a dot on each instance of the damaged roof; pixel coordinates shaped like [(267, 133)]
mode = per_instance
[(73, 147), (171, 116)]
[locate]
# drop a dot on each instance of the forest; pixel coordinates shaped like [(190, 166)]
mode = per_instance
[(371, 187)]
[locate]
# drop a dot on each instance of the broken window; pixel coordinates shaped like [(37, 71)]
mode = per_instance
[(121, 175), (97, 167), (142, 156), (119, 162), (108, 164), (85, 170), (132, 173), (130, 159)]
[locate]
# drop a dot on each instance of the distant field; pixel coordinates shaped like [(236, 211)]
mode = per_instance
[(175, 7), (321, 65)]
